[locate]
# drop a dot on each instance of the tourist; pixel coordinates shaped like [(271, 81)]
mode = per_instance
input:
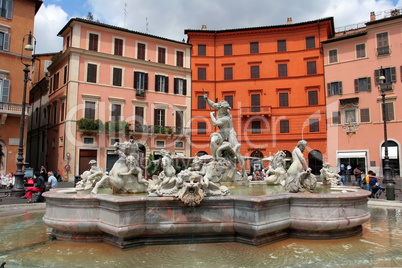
[(358, 176), (376, 189), (342, 169), (39, 186), (52, 181), (341, 179), (366, 181), (57, 175)]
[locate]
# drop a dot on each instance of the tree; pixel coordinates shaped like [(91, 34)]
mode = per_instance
[(90, 16)]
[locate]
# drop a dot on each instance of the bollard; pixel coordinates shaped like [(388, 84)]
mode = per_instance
[(390, 191)]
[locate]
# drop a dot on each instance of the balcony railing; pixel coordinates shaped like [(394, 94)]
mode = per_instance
[(140, 93), (12, 108), (158, 129), (383, 51), (256, 110)]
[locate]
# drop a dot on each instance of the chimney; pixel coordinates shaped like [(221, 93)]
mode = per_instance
[(290, 20), (395, 12), (204, 27), (372, 16)]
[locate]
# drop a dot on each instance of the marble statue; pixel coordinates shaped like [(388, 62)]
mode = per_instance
[(327, 176), (299, 177), (224, 143), (125, 175), (276, 173), (90, 177)]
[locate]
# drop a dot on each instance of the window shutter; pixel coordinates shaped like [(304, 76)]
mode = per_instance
[(377, 76), (184, 87), (329, 89), (389, 109), (6, 91), (175, 85), (135, 80), (6, 44), (166, 84), (340, 88), (356, 85), (393, 74), (145, 81), (157, 83), (368, 83), (155, 117), (9, 12)]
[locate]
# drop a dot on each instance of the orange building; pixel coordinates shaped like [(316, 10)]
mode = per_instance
[(273, 78), (16, 21)]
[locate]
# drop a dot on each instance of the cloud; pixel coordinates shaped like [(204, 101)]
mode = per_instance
[(49, 21)]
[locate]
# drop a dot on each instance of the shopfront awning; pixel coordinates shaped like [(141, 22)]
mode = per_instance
[(392, 152), (352, 155)]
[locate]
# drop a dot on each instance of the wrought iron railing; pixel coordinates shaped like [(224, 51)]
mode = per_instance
[(383, 51), (154, 129)]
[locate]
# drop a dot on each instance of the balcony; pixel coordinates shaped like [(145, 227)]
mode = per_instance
[(167, 130), (248, 111), (383, 51), (12, 108)]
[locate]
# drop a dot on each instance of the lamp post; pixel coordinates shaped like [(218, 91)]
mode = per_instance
[(387, 178), (18, 189)]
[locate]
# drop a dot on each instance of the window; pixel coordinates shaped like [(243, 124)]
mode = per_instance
[(161, 83), (6, 9), (336, 118), (256, 127), (65, 73), (282, 70), (310, 42), (93, 42), (179, 122), (382, 44), (311, 67), (92, 70), (89, 141), (114, 141), (201, 128), (56, 81), (350, 116), (4, 90), (140, 51), (89, 110), (160, 144), (180, 86), (389, 73), (202, 73), (54, 113), (361, 50), (284, 126), (140, 81), (229, 99), (283, 99), (313, 97), (161, 55), (365, 115), (117, 77), (159, 117), (139, 119), (4, 41), (201, 103), (281, 45), (228, 49), (115, 112), (334, 88), (202, 50), (314, 125), (228, 73), (389, 111), (179, 144), (363, 84), (62, 109), (333, 56), (118, 47), (254, 48), (255, 71), (179, 58), (255, 103)]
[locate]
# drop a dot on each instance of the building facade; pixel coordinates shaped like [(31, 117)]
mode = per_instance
[(16, 21), (110, 83), (273, 79), (352, 62)]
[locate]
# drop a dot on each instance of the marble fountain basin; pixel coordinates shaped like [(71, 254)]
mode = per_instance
[(138, 220)]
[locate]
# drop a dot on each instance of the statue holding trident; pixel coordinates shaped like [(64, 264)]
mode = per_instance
[(224, 143)]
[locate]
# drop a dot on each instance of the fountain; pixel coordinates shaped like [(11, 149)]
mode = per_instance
[(193, 206)]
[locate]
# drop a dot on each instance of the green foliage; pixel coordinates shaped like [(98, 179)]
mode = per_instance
[(90, 125), (152, 169), (113, 127), (169, 130)]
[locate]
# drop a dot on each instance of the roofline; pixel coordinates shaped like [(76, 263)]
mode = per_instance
[(331, 19), (383, 20), (116, 28), (45, 54), (344, 37), (38, 4)]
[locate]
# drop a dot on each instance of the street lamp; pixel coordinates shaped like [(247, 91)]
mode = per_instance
[(18, 189), (388, 180)]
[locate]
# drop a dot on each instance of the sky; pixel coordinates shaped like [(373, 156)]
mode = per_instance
[(169, 18)]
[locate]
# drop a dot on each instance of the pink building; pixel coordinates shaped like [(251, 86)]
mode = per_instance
[(352, 63), (134, 83)]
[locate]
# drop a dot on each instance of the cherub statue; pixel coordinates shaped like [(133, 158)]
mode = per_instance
[(90, 177), (327, 176)]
